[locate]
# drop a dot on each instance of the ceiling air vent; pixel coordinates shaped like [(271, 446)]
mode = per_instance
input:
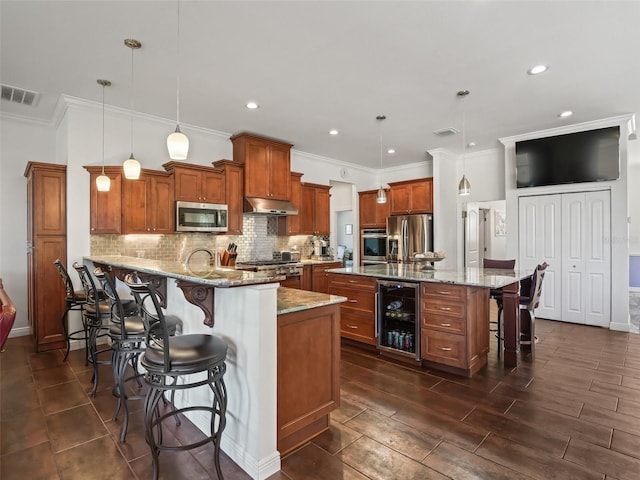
[(18, 95), (446, 132)]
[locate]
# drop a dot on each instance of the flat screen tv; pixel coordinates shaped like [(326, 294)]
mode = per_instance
[(589, 156)]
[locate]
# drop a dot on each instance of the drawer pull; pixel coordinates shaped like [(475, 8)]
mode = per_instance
[(445, 324), (446, 309), (446, 349), (352, 327), (353, 281), (444, 292), (352, 301)]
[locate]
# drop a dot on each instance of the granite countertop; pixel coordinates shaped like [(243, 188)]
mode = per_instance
[(217, 277), (310, 261), (478, 277), (293, 300)]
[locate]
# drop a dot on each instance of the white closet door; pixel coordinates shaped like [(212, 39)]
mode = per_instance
[(540, 240), (586, 221), (472, 236)]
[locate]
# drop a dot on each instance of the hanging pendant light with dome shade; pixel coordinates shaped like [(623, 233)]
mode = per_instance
[(132, 166), (381, 196), (103, 182), (178, 142), (464, 187)]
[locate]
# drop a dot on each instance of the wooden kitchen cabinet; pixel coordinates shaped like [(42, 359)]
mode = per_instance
[(290, 224), (308, 374), (372, 213), (105, 207), (197, 183), (320, 277), (454, 327), (46, 242), (411, 196), (306, 278), (147, 203), (314, 209), (357, 314), (267, 166), (233, 174)]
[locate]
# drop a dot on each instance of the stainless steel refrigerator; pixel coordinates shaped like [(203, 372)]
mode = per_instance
[(408, 235)]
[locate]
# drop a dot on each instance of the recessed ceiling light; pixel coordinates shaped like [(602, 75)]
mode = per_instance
[(537, 69), (391, 151), (565, 114), (333, 132), (252, 105)]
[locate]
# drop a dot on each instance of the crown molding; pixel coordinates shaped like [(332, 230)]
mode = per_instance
[(24, 119)]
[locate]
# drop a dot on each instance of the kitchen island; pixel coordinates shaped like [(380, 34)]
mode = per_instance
[(442, 292), (248, 311)]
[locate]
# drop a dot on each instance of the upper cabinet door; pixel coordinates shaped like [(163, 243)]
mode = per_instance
[(372, 213), (280, 171), (106, 207), (412, 196)]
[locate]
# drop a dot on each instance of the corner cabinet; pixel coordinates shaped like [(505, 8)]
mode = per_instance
[(454, 327), (147, 203), (372, 213), (314, 209), (358, 313), (233, 174), (106, 207), (267, 165), (411, 196), (195, 183), (46, 242)]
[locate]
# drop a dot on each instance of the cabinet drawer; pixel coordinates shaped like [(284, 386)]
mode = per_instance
[(443, 290), (436, 305), (443, 323), (359, 300), (357, 328), (446, 348), (339, 280)]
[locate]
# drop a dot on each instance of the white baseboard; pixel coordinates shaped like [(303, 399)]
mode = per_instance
[(20, 332)]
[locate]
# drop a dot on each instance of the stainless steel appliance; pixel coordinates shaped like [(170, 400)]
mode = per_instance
[(374, 246), (201, 217), (408, 235), (399, 318), (291, 270)]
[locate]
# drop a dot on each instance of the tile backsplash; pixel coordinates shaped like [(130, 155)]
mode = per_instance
[(258, 242)]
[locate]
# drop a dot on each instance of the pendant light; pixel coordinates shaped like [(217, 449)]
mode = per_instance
[(177, 142), (103, 183), (381, 196), (464, 187), (132, 166)]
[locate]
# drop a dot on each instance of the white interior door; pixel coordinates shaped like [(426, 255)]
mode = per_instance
[(540, 240), (472, 236), (587, 263)]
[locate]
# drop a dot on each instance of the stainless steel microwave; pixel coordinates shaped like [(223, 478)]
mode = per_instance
[(201, 217)]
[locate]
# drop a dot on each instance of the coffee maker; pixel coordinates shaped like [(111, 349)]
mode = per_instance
[(320, 248)]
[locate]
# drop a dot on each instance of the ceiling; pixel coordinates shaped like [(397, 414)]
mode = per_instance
[(314, 66)]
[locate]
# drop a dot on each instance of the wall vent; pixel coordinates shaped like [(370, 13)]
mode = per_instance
[(446, 132), (19, 95)]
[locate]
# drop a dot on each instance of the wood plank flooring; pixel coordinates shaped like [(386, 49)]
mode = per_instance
[(573, 413)]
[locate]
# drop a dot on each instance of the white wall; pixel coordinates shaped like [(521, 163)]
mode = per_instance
[(21, 141)]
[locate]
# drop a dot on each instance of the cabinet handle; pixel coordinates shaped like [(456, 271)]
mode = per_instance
[(353, 281), (445, 324), (352, 301), (444, 292), (446, 309), (445, 349), (352, 327)]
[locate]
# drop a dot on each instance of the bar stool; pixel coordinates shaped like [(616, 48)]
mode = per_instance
[(496, 294), (529, 301), (75, 300), (185, 356)]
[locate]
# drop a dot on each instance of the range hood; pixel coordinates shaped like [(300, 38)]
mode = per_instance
[(266, 206)]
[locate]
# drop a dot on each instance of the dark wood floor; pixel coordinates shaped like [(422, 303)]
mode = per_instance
[(574, 413)]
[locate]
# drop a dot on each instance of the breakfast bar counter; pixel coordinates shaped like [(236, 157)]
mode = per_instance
[(253, 316)]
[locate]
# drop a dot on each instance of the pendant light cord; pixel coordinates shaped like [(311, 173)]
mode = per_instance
[(178, 70), (131, 107), (103, 85)]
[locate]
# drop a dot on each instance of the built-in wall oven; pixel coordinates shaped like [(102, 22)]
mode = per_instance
[(374, 246)]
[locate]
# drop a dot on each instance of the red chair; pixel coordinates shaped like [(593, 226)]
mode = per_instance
[(7, 316)]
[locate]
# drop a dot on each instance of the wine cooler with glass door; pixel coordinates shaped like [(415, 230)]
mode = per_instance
[(399, 318)]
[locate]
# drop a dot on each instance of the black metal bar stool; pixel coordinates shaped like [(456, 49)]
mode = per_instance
[(171, 364), (75, 300), (96, 313)]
